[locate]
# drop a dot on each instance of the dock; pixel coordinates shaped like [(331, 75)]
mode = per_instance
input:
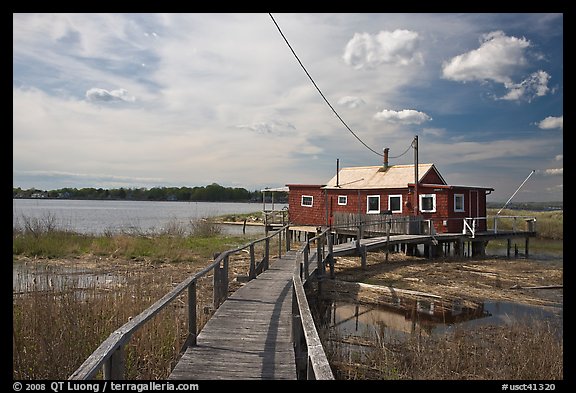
[(249, 336)]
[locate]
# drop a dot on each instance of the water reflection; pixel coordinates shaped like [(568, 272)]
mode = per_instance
[(424, 317)]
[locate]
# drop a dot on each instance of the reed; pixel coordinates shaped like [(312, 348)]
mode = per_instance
[(62, 311), (522, 350), (549, 224)]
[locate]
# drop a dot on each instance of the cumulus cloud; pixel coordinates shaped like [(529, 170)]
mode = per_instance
[(101, 95), (272, 127), (553, 172), (351, 102), (405, 116), (398, 47), (536, 85), (551, 123), (497, 59)]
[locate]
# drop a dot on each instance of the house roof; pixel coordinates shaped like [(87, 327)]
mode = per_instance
[(373, 177)]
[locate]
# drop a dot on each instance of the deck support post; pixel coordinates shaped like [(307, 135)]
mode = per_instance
[(363, 256)]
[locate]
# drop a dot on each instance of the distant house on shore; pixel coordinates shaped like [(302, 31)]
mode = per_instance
[(391, 190)]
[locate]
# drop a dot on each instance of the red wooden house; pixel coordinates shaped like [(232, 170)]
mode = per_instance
[(374, 190)]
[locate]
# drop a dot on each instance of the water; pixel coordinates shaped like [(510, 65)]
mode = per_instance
[(97, 217), (358, 320)]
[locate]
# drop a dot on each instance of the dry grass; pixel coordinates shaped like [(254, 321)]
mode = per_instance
[(60, 318), (524, 350)]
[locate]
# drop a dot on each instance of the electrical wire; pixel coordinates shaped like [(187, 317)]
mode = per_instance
[(319, 91), (406, 151)]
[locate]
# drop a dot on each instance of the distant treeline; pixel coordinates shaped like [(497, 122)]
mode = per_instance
[(211, 193), (535, 206)]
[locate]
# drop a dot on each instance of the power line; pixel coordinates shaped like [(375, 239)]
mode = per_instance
[(319, 91), (405, 151)]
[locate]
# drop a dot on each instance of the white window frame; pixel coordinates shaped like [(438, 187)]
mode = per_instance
[(456, 196), (433, 196), (345, 200), (311, 200), (390, 205), (368, 211)]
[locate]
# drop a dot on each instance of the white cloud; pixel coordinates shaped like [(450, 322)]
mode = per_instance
[(398, 47), (553, 172), (434, 131), (275, 127), (536, 85), (497, 57), (559, 157), (551, 123), (405, 116), (351, 101), (101, 95)]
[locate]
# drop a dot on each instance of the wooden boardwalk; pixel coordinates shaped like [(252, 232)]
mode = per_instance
[(250, 335)]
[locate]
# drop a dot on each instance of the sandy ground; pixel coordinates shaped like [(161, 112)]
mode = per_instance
[(485, 279)]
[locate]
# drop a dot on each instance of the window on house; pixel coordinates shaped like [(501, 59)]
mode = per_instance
[(428, 203), (458, 202), (307, 200), (342, 200), (395, 203), (373, 204)]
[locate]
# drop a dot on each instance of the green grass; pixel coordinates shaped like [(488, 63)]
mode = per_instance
[(549, 224), (173, 244)]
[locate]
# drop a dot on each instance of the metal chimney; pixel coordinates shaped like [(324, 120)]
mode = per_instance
[(386, 158)]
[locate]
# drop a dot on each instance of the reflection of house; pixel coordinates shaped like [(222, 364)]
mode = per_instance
[(403, 316), (388, 189)]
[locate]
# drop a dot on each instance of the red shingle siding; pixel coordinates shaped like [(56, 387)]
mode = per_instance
[(304, 215)]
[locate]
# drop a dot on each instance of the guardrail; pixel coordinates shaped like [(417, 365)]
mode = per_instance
[(110, 357), (311, 359)]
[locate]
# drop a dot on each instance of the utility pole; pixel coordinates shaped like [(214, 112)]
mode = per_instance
[(415, 146)]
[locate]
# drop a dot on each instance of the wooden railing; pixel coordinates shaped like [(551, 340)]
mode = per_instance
[(311, 361), (110, 357)]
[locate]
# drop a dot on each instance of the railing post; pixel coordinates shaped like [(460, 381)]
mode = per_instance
[(330, 254), (114, 367), (319, 256), (287, 239), (306, 262), (192, 328), (252, 272), (216, 283), (224, 277), (279, 244), (495, 224), (266, 254)]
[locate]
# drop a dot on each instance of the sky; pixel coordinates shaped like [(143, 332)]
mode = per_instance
[(172, 100)]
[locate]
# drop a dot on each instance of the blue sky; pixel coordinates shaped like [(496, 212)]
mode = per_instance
[(148, 100)]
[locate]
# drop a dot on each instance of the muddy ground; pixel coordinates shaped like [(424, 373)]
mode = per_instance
[(478, 279)]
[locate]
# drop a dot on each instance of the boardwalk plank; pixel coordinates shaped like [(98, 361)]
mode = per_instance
[(249, 336)]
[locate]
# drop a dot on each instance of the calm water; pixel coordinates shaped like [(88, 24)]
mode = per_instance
[(96, 217)]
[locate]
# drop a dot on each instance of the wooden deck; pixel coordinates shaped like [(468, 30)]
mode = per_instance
[(250, 335)]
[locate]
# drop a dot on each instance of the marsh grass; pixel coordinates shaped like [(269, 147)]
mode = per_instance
[(549, 224), (59, 320), (522, 350)]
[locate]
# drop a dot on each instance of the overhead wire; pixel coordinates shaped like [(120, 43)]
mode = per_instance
[(319, 91)]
